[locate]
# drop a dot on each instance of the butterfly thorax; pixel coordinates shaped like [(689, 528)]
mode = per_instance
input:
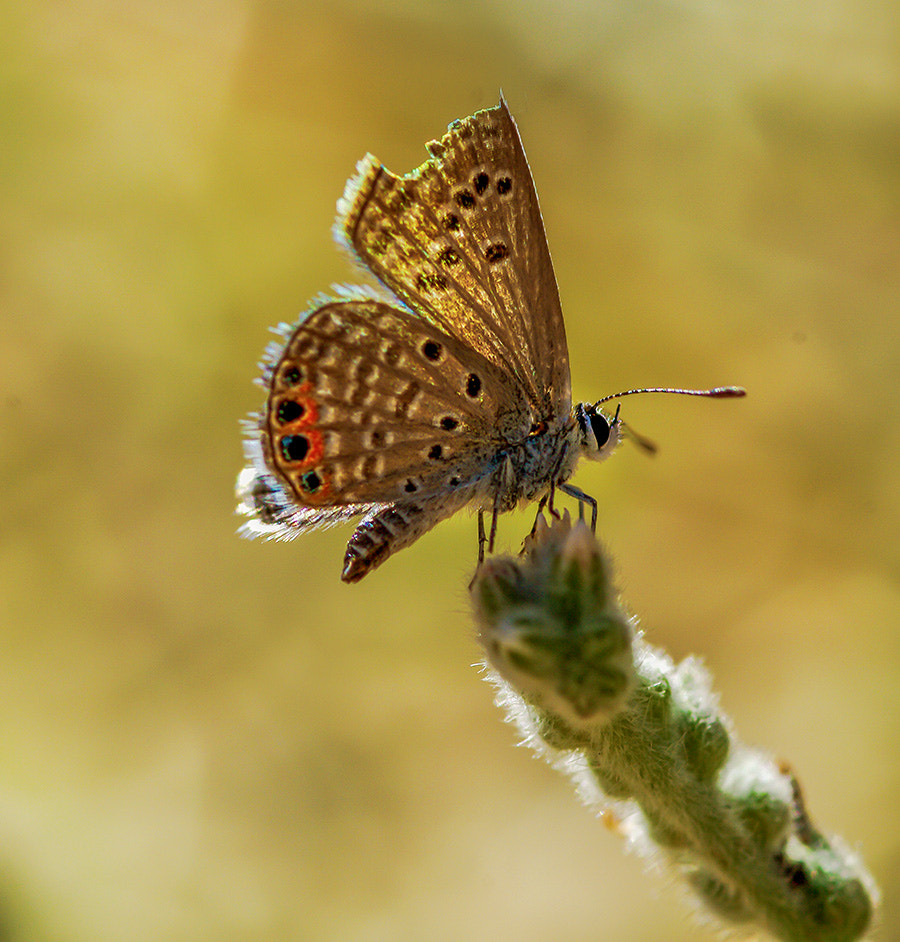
[(526, 470)]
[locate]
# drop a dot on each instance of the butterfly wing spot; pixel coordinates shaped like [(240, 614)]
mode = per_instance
[(496, 252), (289, 410), (298, 406), (454, 481), (448, 256), (432, 350), (448, 423), (329, 325), (306, 347), (435, 453), (410, 487), (291, 375), (473, 385), (294, 447), (310, 482), (368, 467), (451, 222), (361, 395), (406, 399), (365, 372), (392, 354), (464, 199), (481, 182)]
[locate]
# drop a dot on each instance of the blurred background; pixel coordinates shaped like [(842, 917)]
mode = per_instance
[(209, 738)]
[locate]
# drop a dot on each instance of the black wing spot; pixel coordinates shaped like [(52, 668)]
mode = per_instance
[(448, 256), (292, 376), (294, 447), (435, 452), (410, 487), (451, 222), (432, 350), (289, 411), (473, 385), (504, 185), (481, 182), (496, 252), (448, 423), (310, 482), (464, 199), (454, 482)]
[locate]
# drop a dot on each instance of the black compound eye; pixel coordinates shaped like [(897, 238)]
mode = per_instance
[(600, 428)]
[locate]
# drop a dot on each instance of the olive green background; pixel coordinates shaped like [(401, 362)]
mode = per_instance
[(205, 738)]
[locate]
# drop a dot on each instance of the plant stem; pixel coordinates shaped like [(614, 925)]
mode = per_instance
[(644, 737)]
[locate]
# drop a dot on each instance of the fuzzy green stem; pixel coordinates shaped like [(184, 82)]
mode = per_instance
[(644, 736)]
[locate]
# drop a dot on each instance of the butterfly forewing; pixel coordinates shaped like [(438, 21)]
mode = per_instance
[(462, 242), (369, 404)]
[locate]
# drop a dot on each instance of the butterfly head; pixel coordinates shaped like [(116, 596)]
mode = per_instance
[(598, 432)]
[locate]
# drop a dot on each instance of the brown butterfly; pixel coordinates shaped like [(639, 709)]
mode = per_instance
[(451, 390)]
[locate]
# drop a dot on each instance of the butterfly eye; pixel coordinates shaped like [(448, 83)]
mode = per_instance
[(600, 428)]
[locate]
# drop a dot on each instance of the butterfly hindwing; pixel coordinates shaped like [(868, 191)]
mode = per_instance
[(368, 404)]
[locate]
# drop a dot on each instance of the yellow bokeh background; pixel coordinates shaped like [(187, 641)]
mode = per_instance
[(205, 738)]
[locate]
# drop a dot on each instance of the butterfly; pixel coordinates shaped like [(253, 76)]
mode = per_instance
[(448, 388)]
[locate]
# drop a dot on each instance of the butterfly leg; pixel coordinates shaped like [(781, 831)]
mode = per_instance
[(482, 539), (537, 516), (582, 499), (494, 515), (550, 495)]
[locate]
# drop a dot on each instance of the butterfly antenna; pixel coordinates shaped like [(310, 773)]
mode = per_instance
[(717, 392)]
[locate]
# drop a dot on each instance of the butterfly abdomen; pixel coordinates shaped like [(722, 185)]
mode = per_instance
[(392, 528)]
